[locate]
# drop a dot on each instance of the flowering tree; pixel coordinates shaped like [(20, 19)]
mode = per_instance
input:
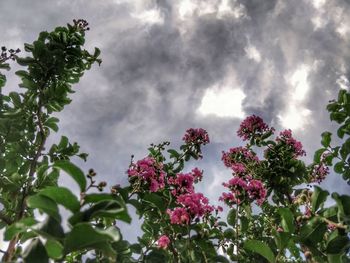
[(277, 213)]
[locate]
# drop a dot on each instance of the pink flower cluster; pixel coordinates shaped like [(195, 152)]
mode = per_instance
[(253, 126), (163, 241), (192, 205), (319, 172), (150, 172), (236, 156), (183, 183), (197, 136), (296, 146), (242, 189)]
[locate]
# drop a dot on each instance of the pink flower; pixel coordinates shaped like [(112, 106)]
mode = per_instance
[(197, 136), (253, 126), (319, 172), (236, 182), (229, 198), (196, 204), (219, 208), (244, 188), (257, 191), (179, 216), (183, 183), (295, 146), (238, 155), (150, 173), (238, 168), (331, 226), (197, 174), (163, 242)]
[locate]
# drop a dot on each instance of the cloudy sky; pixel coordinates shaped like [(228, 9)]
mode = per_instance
[(170, 65)]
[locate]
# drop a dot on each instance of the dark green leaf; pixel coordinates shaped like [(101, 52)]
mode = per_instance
[(335, 258), (338, 245), (220, 259), (287, 219), (155, 200), (339, 167), (260, 248), (73, 171), (83, 235), (231, 217), (326, 139), (35, 252), (62, 196), (313, 232), (45, 204), (96, 197), (18, 227), (54, 249), (16, 99), (318, 197)]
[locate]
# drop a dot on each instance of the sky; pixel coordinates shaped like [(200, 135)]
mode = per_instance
[(172, 65)]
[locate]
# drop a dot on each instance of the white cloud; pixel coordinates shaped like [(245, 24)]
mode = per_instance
[(222, 102), (253, 53), (294, 117), (186, 8), (296, 114), (299, 82), (318, 3), (152, 16)]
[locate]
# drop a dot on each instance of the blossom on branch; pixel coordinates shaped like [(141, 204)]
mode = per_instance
[(253, 126)]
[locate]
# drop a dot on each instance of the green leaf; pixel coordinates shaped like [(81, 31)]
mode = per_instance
[(25, 61), (313, 232), (18, 227), (339, 167), (50, 229), (155, 200), (95, 197), (231, 217), (341, 213), (54, 249), (229, 233), (318, 154), (260, 248), (16, 99), (338, 245), (106, 208), (220, 258), (97, 52), (281, 239), (335, 258), (52, 123), (156, 256), (326, 139), (83, 235), (63, 142), (318, 197), (287, 219), (45, 204), (35, 252), (73, 171), (62, 196), (173, 153)]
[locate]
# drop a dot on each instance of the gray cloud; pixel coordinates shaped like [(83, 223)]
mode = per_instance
[(153, 76)]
